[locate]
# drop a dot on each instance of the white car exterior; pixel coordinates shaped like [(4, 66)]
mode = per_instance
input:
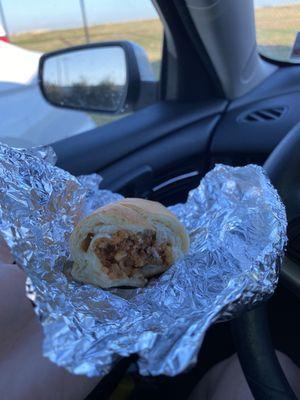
[(26, 118)]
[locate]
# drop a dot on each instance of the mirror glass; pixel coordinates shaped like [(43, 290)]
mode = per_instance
[(93, 79)]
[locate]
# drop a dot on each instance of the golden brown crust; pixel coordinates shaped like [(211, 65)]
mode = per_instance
[(119, 213), (159, 213), (98, 242), (146, 206)]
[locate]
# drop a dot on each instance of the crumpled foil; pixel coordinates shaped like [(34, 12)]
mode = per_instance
[(237, 225)]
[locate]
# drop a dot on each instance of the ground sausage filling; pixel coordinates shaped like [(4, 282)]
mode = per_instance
[(125, 252), (85, 244)]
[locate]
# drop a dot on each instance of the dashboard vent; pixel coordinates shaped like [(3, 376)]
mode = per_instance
[(263, 115)]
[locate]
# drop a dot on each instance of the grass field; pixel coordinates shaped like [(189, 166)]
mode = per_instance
[(276, 30), (147, 33)]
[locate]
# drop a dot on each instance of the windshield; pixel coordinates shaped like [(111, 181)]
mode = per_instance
[(277, 26)]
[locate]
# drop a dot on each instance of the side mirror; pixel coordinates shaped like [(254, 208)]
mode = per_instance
[(110, 77)]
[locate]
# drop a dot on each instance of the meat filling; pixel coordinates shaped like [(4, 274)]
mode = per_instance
[(85, 244), (125, 252)]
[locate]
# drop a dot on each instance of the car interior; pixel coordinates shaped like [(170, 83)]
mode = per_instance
[(218, 101)]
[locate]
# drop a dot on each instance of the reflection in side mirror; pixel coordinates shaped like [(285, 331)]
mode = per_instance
[(93, 78)]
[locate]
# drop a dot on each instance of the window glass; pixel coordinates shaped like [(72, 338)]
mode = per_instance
[(35, 27), (277, 26)]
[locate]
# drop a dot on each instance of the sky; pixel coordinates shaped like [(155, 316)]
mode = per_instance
[(97, 65), (27, 15), (267, 3)]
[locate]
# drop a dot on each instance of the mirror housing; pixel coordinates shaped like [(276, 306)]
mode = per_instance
[(110, 77)]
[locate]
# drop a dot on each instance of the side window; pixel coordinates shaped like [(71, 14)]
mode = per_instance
[(43, 26)]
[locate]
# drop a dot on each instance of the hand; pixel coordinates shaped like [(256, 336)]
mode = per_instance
[(24, 372)]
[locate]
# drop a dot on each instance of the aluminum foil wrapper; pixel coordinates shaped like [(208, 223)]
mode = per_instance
[(237, 225)]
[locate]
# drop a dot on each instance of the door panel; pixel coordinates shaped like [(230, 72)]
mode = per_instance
[(97, 149), (170, 145), (166, 169), (162, 147)]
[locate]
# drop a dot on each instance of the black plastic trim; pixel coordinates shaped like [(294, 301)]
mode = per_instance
[(266, 114), (97, 149), (181, 152), (199, 46), (284, 81), (232, 137), (185, 76), (279, 63)]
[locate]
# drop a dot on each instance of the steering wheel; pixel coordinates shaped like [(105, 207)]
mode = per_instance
[(250, 331)]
